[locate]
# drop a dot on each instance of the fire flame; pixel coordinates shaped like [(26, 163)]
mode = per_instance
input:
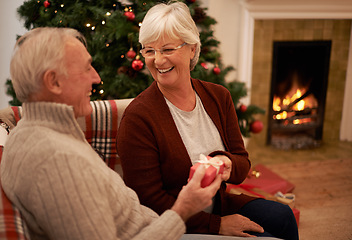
[(280, 104)]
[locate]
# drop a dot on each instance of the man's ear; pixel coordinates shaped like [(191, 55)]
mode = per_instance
[(51, 82)]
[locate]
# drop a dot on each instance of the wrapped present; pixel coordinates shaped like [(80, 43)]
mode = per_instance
[(213, 167), (268, 181)]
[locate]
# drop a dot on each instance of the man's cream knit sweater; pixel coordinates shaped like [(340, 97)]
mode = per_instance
[(65, 191)]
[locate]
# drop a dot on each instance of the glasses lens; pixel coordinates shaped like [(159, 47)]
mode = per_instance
[(168, 51), (148, 52)]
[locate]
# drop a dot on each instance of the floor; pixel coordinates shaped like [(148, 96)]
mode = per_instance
[(261, 153), (323, 185)]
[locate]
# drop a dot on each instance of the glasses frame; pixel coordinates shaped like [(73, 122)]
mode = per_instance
[(161, 50)]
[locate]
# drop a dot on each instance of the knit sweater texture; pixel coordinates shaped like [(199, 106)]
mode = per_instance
[(155, 161), (64, 190)]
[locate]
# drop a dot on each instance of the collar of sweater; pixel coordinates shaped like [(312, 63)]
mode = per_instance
[(57, 116)]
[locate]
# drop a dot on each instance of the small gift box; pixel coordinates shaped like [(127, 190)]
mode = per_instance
[(268, 181), (213, 167)]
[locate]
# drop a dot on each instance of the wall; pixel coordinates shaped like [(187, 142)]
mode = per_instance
[(10, 27), (267, 31), (226, 30), (346, 128)]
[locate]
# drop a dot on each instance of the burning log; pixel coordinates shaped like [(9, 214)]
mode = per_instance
[(306, 94)]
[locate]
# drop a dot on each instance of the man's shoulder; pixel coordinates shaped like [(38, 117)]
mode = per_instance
[(38, 144)]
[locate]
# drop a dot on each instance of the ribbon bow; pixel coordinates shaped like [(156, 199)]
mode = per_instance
[(211, 161)]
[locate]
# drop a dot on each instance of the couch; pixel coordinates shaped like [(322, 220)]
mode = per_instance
[(100, 129)]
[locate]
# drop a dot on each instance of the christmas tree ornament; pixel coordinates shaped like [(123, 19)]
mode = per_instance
[(243, 108), (130, 15), (256, 126), (204, 65), (216, 70), (191, 1), (137, 64), (46, 4), (131, 54)]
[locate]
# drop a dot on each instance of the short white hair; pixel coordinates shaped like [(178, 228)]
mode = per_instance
[(36, 52), (173, 20)]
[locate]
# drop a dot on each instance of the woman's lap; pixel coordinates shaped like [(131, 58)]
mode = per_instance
[(277, 219)]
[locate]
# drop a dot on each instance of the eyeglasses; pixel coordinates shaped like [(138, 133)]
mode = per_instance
[(167, 51)]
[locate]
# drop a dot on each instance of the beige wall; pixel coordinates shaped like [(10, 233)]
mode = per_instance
[(10, 26), (227, 14)]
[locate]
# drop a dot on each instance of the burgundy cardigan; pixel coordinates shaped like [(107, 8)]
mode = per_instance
[(155, 161)]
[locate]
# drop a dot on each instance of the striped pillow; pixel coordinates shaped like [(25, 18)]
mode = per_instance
[(11, 224)]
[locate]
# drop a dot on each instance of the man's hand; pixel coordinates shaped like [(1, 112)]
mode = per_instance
[(193, 198), (238, 225)]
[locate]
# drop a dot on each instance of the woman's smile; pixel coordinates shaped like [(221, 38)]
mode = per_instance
[(165, 70)]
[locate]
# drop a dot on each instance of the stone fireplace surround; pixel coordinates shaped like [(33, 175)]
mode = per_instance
[(261, 25)]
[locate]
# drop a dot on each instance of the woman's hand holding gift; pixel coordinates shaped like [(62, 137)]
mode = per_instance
[(218, 165), (227, 166)]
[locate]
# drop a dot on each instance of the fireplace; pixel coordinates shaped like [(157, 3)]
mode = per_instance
[(299, 83)]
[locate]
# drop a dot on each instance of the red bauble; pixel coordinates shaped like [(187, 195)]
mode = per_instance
[(216, 70), (243, 108), (256, 126), (46, 4), (204, 65), (137, 64), (191, 1), (130, 15), (131, 54)]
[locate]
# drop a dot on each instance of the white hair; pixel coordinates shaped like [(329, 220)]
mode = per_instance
[(35, 52), (172, 20)]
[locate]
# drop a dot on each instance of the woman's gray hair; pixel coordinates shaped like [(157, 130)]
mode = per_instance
[(173, 20), (36, 52)]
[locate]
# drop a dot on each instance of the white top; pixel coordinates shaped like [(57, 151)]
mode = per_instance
[(198, 133), (197, 130)]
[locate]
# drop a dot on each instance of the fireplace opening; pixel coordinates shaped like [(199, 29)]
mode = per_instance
[(298, 92)]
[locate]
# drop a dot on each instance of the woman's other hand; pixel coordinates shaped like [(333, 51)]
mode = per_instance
[(238, 225), (227, 167)]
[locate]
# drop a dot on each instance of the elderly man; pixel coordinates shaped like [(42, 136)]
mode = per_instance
[(49, 171)]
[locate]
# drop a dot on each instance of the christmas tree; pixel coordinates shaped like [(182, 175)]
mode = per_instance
[(111, 28)]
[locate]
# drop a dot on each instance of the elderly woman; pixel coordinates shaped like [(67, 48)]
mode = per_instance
[(167, 127)]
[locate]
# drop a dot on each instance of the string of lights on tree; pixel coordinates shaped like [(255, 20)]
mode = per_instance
[(111, 28)]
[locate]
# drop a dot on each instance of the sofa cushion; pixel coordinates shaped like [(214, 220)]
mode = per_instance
[(100, 129), (11, 224)]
